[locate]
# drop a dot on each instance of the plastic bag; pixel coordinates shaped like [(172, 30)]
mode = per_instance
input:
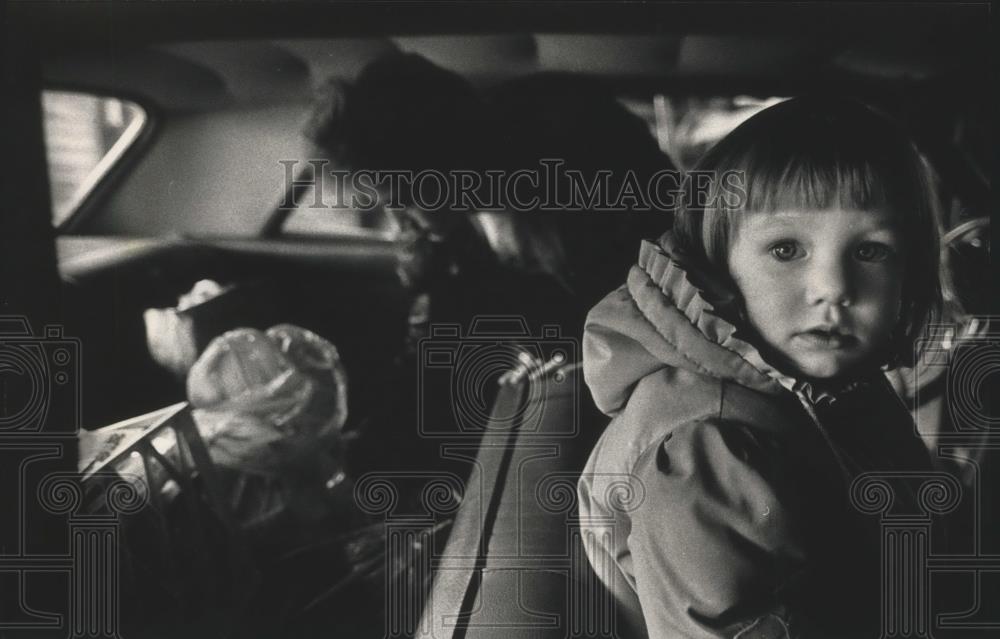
[(271, 405)]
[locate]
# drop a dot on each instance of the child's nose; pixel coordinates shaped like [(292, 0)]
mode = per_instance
[(829, 282)]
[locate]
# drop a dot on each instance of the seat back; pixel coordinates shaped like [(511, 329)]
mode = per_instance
[(514, 566)]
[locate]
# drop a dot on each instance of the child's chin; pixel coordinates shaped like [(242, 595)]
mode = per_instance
[(824, 367)]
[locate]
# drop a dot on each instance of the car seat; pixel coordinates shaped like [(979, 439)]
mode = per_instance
[(514, 565)]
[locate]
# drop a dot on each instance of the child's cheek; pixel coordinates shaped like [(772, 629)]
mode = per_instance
[(772, 304), (880, 302)]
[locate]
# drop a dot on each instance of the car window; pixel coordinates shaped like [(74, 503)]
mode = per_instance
[(324, 209), (85, 135), (686, 127), (331, 223), (323, 217)]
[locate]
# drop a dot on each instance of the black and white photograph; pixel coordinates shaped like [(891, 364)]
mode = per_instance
[(499, 320)]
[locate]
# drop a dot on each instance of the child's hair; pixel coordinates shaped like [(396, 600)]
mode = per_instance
[(812, 154)]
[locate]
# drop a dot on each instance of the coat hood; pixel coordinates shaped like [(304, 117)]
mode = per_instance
[(661, 318)]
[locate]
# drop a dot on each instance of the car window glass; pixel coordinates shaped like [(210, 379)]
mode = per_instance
[(85, 135), (329, 212), (686, 127), (327, 222)]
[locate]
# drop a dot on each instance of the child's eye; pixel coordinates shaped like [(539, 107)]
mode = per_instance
[(873, 252), (785, 251)]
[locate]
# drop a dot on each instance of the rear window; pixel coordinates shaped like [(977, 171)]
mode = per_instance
[(85, 135), (322, 208), (319, 215), (687, 126)]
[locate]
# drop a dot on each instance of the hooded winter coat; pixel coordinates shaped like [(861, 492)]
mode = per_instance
[(717, 503)]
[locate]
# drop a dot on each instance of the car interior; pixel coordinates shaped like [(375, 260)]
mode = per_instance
[(217, 102)]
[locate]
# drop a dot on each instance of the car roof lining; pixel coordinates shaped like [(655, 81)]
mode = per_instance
[(222, 74), (75, 25)]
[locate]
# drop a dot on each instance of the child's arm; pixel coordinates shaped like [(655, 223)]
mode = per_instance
[(713, 550)]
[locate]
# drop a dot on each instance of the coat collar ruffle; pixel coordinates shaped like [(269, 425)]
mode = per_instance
[(660, 281)]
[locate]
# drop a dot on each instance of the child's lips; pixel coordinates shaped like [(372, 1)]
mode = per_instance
[(827, 338)]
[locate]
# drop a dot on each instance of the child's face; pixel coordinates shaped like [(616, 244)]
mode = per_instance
[(822, 288)]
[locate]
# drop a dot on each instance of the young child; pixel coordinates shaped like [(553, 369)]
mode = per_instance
[(742, 364)]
